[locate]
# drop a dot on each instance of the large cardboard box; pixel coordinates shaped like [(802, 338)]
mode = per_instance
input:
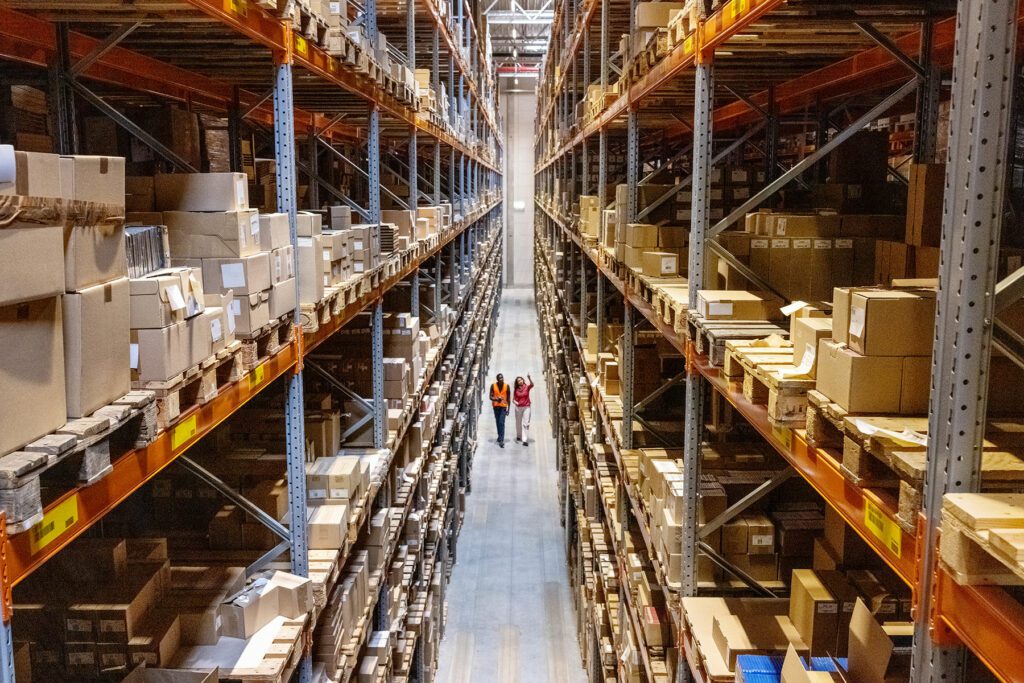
[(94, 254), (328, 526), (892, 322), (641, 235), (96, 346), (333, 479), (158, 354), (207, 334), (36, 174), (310, 269), (93, 179), (859, 384), (737, 305), (31, 259), (224, 234), (202, 192), (31, 371)]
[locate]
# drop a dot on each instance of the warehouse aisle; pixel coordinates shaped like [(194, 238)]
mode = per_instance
[(510, 615)]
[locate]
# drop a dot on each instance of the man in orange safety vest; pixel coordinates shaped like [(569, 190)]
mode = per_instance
[(500, 401)]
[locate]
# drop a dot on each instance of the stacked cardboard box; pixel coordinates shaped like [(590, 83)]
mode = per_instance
[(167, 308), (334, 485), (867, 367), (653, 250), (590, 216)]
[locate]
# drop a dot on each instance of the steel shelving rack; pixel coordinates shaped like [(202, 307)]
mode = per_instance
[(239, 59), (748, 68)]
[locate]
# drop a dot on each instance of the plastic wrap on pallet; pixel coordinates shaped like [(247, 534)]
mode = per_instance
[(21, 502), (147, 249)]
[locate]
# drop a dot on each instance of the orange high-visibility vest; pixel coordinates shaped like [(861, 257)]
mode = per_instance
[(499, 397)]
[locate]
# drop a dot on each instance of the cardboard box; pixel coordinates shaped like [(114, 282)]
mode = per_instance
[(31, 260), (93, 179), (822, 224), (96, 346), (814, 611), (220, 192), (859, 384), (155, 641), (310, 269), (805, 333), (226, 234), (252, 311), (335, 478), (244, 275), (36, 174), (737, 305), (655, 14), (206, 332), (308, 224), (659, 264), (282, 298), (31, 371), (915, 385), (282, 264), (328, 526), (926, 188), (158, 354), (164, 297), (641, 235), (274, 231), (94, 254), (892, 322), (736, 635)]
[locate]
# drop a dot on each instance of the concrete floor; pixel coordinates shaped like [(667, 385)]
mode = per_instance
[(510, 614)]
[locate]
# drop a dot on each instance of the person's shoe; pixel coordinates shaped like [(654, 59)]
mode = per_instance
[(524, 443), (501, 443)]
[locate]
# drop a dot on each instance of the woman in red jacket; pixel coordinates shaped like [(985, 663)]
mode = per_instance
[(521, 397)]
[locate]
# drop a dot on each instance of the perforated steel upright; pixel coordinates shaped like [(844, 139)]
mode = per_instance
[(294, 417), (980, 111)]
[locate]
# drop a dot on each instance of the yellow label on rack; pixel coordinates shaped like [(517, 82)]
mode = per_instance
[(53, 524), (301, 46), (239, 7), (783, 434), (183, 432), (884, 529), (256, 377)]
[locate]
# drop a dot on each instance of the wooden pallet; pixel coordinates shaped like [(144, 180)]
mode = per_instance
[(682, 25), (272, 655), (266, 341), (710, 336), (982, 539), (765, 381), (197, 385)]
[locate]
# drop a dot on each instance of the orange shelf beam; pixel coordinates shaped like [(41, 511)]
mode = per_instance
[(986, 619), (76, 511)]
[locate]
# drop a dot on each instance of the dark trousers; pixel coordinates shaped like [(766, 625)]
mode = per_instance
[(499, 419)]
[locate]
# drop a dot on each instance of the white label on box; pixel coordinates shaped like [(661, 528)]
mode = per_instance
[(174, 298), (339, 494), (802, 244), (327, 255), (133, 356), (719, 308), (241, 193), (193, 306), (304, 241), (828, 608), (8, 167), (668, 264), (358, 267), (78, 625), (231, 318), (780, 244), (758, 244), (844, 244), (277, 266), (232, 275), (792, 308), (254, 224), (822, 244), (317, 494), (856, 321), (335, 8), (235, 307), (762, 539), (357, 245), (780, 226), (216, 331)]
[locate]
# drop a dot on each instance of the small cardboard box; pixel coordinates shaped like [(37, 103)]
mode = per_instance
[(859, 384), (282, 298), (328, 526), (202, 192), (252, 311), (308, 224), (892, 322), (641, 235), (96, 346), (282, 264), (805, 333), (158, 354), (737, 305), (243, 275), (659, 264), (225, 234), (164, 297), (274, 231), (31, 371)]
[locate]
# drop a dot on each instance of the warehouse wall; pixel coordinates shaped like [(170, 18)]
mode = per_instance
[(518, 106)]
